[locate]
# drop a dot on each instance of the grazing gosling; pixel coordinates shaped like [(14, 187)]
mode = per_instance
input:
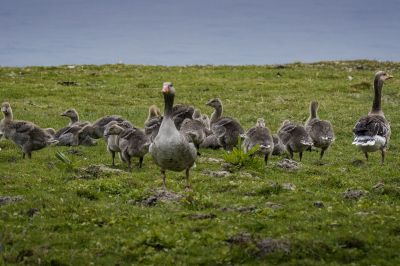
[(320, 131), (132, 142), (295, 138), (372, 132), (25, 134), (259, 135)]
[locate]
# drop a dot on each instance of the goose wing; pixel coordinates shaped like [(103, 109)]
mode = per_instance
[(23, 126), (372, 125)]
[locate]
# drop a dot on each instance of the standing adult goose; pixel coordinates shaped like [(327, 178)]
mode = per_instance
[(170, 149), (372, 132), (259, 135), (25, 134), (227, 130), (320, 131), (295, 138)]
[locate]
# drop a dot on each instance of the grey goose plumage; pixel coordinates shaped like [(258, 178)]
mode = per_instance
[(372, 132), (320, 131), (295, 138), (25, 134), (170, 149), (226, 129), (259, 135)]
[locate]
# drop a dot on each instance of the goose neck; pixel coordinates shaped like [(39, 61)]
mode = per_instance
[(376, 104), (216, 114), (169, 102)]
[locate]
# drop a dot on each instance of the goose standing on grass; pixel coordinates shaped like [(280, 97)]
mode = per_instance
[(372, 132), (195, 130), (295, 138), (113, 139), (25, 134), (259, 135), (320, 131), (132, 142), (170, 149), (227, 130)]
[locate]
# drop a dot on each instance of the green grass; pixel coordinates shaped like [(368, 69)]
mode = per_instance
[(72, 216)]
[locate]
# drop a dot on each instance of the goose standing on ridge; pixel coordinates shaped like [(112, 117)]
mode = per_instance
[(259, 135), (295, 138), (320, 131), (25, 134), (372, 132), (227, 130), (170, 149)]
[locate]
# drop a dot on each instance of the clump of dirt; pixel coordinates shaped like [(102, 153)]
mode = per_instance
[(358, 163), (351, 242), (202, 216), (216, 173), (274, 205), (245, 209), (353, 194), (319, 204), (10, 199), (97, 171), (161, 195), (68, 83), (270, 245), (32, 211), (289, 165), (264, 246)]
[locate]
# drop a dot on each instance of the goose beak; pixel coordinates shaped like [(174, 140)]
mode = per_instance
[(63, 114), (389, 77)]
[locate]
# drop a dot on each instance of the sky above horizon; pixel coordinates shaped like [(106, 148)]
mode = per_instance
[(178, 32)]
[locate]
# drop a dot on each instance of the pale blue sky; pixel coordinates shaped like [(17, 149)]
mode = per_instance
[(186, 32)]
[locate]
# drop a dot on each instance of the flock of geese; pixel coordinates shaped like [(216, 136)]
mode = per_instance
[(174, 139)]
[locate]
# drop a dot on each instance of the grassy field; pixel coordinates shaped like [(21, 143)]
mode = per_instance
[(256, 215)]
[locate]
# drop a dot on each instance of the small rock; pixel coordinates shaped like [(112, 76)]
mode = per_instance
[(289, 165), (246, 175), (319, 204), (274, 205), (210, 160), (164, 195), (289, 186), (240, 209), (216, 173), (32, 211), (350, 78), (378, 185), (351, 194), (10, 199)]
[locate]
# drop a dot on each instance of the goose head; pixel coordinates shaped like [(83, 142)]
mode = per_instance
[(382, 75), (168, 88), (6, 108), (71, 113), (215, 103), (154, 111), (196, 114), (260, 122), (114, 129)]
